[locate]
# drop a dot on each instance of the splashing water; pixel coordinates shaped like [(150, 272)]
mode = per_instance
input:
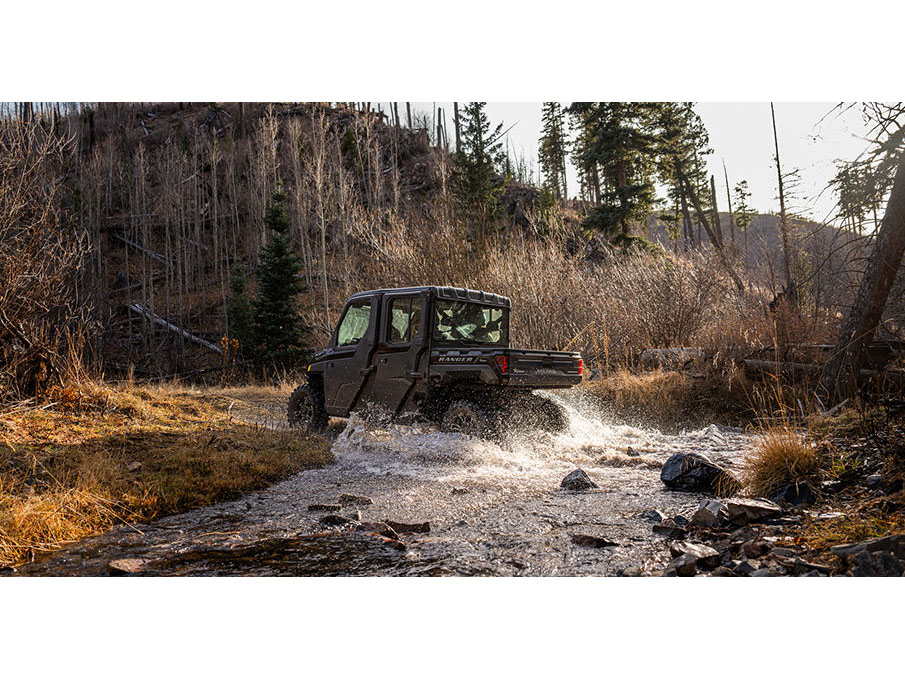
[(530, 458), (494, 508)]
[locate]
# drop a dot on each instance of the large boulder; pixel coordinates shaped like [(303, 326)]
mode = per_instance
[(695, 473), (577, 480)]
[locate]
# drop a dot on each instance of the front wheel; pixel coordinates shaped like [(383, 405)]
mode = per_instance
[(467, 417), (306, 409)]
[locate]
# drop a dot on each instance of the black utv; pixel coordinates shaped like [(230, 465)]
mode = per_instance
[(438, 353)]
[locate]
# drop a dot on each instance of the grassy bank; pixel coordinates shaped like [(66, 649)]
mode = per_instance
[(84, 460), (671, 399)]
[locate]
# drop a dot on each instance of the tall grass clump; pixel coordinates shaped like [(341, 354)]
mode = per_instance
[(781, 456)]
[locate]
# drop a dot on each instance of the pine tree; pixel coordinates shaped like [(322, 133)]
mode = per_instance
[(618, 147), (238, 308), (480, 159), (681, 143), (552, 149), (278, 329)]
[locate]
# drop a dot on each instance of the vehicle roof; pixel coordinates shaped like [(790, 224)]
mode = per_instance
[(445, 292)]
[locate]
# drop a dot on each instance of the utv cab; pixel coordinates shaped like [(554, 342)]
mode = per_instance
[(438, 353)]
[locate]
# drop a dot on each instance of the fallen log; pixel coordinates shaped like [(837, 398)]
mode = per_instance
[(157, 257), (164, 323), (795, 371)]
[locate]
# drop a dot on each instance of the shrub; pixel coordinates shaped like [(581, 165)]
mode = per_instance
[(781, 456)]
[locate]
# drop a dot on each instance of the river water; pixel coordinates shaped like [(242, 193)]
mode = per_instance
[(493, 508)]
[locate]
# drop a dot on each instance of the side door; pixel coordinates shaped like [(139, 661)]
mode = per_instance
[(403, 338), (349, 368)]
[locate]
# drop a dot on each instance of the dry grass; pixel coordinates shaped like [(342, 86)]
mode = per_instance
[(781, 456), (94, 457), (858, 523), (669, 398)]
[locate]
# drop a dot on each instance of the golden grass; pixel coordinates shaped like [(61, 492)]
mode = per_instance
[(864, 523), (97, 456), (668, 398), (781, 456)]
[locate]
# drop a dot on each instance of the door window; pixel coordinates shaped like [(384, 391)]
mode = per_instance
[(354, 324), (404, 320)]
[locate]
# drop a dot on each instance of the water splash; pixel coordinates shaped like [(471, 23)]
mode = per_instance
[(529, 458)]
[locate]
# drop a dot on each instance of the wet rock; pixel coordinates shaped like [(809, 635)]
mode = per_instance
[(336, 520), (794, 494), (393, 543), (683, 566), (694, 472), (134, 466), (653, 515), (594, 541), (874, 481), (347, 499), (762, 573), (890, 543), (400, 527), (460, 491), (704, 557), (324, 508), (681, 521), (709, 513), (669, 529), (742, 511), (577, 480), (876, 564), (378, 527), (126, 566)]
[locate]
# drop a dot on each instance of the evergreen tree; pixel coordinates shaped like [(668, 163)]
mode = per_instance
[(238, 308), (681, 143), (278, 329), (552, 149), (479, 160), (618, 147)]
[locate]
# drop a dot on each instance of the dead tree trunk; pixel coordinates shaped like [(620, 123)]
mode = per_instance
[(783, 224), (702, 219), (456, 122), (864, 317), (717, 227), (729, 207)]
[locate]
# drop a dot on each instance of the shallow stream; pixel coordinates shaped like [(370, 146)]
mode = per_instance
[(494, 509)]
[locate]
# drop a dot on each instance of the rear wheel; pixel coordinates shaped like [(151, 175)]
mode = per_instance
[(306, 409), (532, 412), (467, 417)]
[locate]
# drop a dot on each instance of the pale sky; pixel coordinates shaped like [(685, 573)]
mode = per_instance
[(742, 135)]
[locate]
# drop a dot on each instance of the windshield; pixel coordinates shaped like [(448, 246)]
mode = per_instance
[(468, 323)]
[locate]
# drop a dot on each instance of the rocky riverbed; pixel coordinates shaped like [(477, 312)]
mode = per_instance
[(408, 500)]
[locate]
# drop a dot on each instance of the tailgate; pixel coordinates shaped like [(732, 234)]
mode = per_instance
[(544, 369)]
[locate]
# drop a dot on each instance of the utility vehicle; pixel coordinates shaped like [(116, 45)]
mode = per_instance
[(437, 353)]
